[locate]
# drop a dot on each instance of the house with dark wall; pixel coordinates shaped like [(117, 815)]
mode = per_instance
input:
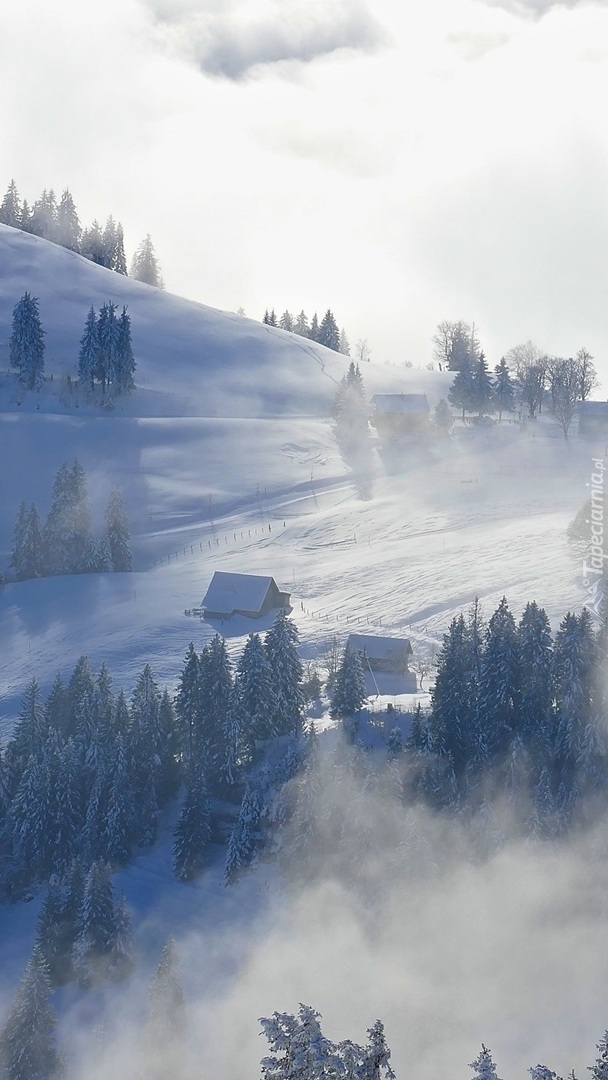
[(400, 414), (242, 594), (382, 653), (593, 418)]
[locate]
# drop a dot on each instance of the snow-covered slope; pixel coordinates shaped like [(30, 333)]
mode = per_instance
[(228, 462)]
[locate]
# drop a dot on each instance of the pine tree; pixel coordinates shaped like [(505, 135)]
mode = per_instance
[(377, 1055), (27, 557), (498, 697), (483, 1067), (216, 750), (599, 1070), (301, 325), (119, 262), (124, 361), (144, 266), (29, 733), (96, 928), (193, 831), (10, 209), (88, 357), (68, 807), (329, 335), (313, 332), (118, 822), (107, 335), (50, 933), (92, 245), (28, 1048), (462, 391), (534, 675), (26, 217), (281, 649), (286, 321), (80, 719), (165, 1028), (442, 417), (504, 390), (349, 691), (244, 836), (117, 529), (68, 541), (255, 693), (26, 348), (188, 704), (344, 343), (483, 387), (120, 962), (68, 230), (43, 221)]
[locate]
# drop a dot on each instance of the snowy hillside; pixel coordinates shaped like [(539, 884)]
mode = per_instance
[(226, 457), (227, 461)]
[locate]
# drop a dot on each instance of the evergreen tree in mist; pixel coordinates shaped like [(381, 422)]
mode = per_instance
[(28, 1045), (144, 266), (88, 357), (166, 1023), (244, 836), (193, 830), (329, 335), (67, 227), (26, 346), (10, 207), (504, 390), (117, 530)]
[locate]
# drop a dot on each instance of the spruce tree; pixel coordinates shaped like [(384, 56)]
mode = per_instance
[(281, 649), (165, 1027), (107, 334), (498, 698), (26, 347), (483, 387), (462, 391), (349, 690), (504, 390), (188, 705), (28, 1046), (96, 928), (43, 221), (255, 693), (215, 748), (193, 831), (329, 335), (376, 1056), (68, 230), (244, 836), (124, 362), (117, 530), (10, 208), (88, 357), (483, 1067), (27, 557), (144, 266)]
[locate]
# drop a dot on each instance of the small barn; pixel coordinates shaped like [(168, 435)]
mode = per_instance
[(242, 594), (400, 414), (382, 653), (593, 418)]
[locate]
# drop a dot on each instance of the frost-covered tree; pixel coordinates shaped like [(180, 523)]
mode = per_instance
[(344, 343), (123, 368), (376, 1056), (254, 690), (215, 745), (329, 334), (88, 357), (27, 557), (144, 266), (26, 346), (349, 693), (193, 830), (43, 221), (443, 418), (462, 392), (483, 387), (599, 1069), (166, 1022), (483, 1067), (497, 707), (29, 734), (107, 335), (67, 229), (301, 325), (10, 207), (68, 540), (117, 531), (504, 390), (120, 962), (28, 1044), (188, 705), (92, 245), (96, 928), (281, 644), (118, 823), (245, 834), (286, 321)]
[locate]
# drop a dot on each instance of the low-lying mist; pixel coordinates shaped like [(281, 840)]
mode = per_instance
[(387, 911)]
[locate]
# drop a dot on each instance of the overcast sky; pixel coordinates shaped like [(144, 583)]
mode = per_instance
[(399, 162)]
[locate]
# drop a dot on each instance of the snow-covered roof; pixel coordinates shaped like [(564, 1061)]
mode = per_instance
[(380, 648), (401, 403), (231, 592)]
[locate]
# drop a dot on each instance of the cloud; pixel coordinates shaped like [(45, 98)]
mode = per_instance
[(538, 8), (234, 40)]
